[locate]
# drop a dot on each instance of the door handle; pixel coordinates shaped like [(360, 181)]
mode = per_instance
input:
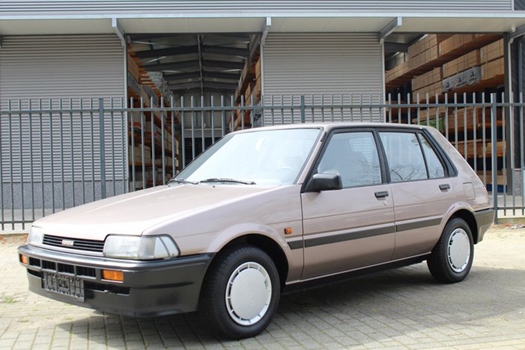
[(381, 194), (444, 187)]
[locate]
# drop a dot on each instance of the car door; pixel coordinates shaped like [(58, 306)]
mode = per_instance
[(351, 227), (421, 190)]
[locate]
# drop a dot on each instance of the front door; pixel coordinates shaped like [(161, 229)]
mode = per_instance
[(353, 227)]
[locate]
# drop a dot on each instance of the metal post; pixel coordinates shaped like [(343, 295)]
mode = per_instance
[(303, 110), (494, 156), (102, 148)]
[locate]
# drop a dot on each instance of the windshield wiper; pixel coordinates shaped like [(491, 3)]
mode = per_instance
[(222, 179), (182, 181)]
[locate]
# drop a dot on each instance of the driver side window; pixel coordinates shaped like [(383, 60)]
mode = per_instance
[(352, 155)]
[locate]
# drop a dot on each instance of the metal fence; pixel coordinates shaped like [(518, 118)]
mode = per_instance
[(57, 154)]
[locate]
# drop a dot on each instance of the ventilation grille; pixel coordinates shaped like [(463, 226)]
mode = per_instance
[(78, 244)]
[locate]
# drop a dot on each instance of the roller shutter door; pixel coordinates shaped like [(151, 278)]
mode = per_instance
[(323, 69), (61, 152)]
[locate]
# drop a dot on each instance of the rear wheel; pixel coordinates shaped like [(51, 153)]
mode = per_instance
[(241, 293), (452, 257)]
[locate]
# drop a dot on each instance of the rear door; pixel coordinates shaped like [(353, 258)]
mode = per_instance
[(421, 190), (352, 227)]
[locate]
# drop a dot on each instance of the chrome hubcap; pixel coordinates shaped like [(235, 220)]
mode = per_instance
[(248, 293), (458, 250)]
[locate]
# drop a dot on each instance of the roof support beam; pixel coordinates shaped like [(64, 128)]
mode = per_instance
[(184, 50), (520, 31), (119, 31), (222, 50), (389, 29), (182, 76), (266, 29), (177, 66), (171, 66), (205, 84), (396, 47), (172, 51)]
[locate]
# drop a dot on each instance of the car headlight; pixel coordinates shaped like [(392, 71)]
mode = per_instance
[(140, 247), (36, 236)]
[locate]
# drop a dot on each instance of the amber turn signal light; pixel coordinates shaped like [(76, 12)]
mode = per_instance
[(24, 259), (111, 275)]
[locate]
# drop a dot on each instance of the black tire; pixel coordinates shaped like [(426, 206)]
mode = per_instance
[(452, 257), (238, 273)]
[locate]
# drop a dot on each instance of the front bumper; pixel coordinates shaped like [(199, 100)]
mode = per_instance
[(149, 288)]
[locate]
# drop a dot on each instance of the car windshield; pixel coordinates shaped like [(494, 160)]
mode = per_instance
[(265, 157)]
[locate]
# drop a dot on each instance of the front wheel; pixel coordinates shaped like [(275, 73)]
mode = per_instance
[(241, 293), (452, 257)]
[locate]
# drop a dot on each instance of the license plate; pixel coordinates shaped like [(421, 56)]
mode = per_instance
[(65, 285)]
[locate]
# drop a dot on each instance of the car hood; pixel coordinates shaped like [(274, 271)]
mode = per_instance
[(135, 212)]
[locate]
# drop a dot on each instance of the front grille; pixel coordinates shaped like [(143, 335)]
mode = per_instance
[(74, 243), (52, 266)]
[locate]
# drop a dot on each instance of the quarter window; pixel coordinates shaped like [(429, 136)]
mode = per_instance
[(410, 157), (435, 168)]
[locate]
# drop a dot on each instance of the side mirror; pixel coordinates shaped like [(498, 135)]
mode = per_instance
[(324, 182)]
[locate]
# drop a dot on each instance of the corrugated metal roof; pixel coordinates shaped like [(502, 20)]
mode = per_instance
[(268, 7)]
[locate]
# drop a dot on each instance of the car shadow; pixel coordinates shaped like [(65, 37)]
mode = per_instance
[(365, 310)]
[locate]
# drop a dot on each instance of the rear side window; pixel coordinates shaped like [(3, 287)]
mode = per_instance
[(410, 157)]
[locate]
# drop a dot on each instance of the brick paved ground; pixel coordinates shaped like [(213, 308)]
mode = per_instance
[(400, 309)]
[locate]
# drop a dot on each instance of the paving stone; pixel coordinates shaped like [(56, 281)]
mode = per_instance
[(399, 309)]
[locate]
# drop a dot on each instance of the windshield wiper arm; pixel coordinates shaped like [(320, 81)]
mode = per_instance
[(222, 179), (182, 181)]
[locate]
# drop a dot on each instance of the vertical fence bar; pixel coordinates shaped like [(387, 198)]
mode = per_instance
[(131, 115), (142, 143), (203, 124), (494, 165), (162, 139), (52, 155), (212, 121), (303, 110), (31, 168), (183, 132), (2, 205), (192, 115), (312, 107), (504, 117), (10, 129), (42, 178), (93, 177), (474, 132), (153, 144), (322, 108), (112, 146), (124, 125), (446, 118), (484, 138), (61, 129), (22, 204), (522, 155), (72, 137), (465, 131), (510, 152), (82, 155), (223, 117)]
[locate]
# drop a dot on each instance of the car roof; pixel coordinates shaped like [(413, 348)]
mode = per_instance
[(328, 126)]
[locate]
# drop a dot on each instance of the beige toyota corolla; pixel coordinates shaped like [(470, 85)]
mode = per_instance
[(262, 212)]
